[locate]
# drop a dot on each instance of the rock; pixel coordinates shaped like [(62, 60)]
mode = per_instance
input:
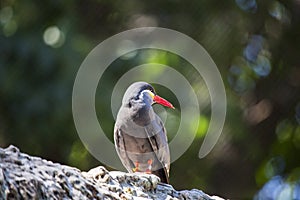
[(27, 177)]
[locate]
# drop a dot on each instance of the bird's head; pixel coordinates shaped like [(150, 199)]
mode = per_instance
[(142, 92)]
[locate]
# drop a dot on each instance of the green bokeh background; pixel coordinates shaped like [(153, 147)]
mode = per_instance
[(255, 45)]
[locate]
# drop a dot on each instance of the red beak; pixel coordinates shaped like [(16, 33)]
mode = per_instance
[(162, 101)]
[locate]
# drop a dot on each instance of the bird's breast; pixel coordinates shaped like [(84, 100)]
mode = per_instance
[(138, 121)]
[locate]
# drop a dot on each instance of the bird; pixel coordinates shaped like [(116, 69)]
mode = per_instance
[(139, 134)]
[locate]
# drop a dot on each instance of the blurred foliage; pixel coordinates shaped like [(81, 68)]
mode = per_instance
[(255, 45)]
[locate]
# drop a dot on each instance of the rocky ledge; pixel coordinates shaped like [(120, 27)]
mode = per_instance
[(27, 177)]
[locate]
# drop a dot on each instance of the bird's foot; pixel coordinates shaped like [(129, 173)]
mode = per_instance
[(149, 170), (136, 169)]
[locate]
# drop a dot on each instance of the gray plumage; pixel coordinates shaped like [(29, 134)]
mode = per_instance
[(139, 134)]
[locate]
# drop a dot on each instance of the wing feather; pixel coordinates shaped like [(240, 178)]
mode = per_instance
[(159, 143), (121, 149)]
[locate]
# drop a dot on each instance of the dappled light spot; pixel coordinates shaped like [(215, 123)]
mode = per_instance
[(253, 48), (7, 21), (270, 189), (155, 57), (10, 28), (262, 67), (296, 192), (77, 154), (258, 112), (244, 83), (254, 64), (286, 191), (247, 5), (284, 130), (279, 12), (258, 56), (235, 70), (153, 72), (279, 188), (287, 131), (274, 166), (240, 77), (203, 126), (54, 37)]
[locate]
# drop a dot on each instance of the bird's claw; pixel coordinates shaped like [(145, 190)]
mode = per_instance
[(136, 169)]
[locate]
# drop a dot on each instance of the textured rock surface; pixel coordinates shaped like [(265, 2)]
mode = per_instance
[(26, 177)]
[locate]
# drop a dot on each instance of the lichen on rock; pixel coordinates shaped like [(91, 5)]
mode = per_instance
[(28, 177)]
